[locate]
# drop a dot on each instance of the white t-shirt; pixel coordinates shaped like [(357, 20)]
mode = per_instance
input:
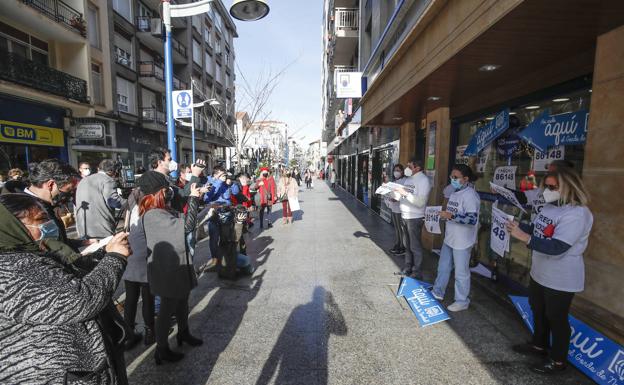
[(457, 235), (536, 200), (569, 224), (413, 205)]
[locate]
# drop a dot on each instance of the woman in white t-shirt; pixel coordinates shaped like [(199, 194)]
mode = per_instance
[(558, 236), (462, 216)]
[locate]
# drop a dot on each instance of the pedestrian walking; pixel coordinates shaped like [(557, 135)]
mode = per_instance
[(412, 202), (287, 189), (48, 332), (308, 179), (558, 237), (462, 218), (170, 271), (266, 195), (392, 201)]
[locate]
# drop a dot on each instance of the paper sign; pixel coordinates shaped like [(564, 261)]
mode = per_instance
[(460, 158), (395, 186), (383, 190), (507, 194), (505, 176), (427, 309), (541, 160), (535, 199), (483, 158), (432, 219), (293, 202), (92, 248), (499, 236), (598, 357)]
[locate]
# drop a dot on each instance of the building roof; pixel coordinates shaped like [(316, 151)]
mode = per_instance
[(241, 115)]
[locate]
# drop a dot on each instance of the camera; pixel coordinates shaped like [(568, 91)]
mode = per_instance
[(125, 179)]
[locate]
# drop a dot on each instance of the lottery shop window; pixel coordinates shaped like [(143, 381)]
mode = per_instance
[(510, 150)]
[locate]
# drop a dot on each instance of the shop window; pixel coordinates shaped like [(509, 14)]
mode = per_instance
[(509, 150)]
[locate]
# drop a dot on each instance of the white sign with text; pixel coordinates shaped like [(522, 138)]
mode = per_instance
[(432, 219), (541, 160), (505, 176), (499, 236)]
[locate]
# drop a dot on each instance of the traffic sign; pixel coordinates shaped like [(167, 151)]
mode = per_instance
[(182, 104)]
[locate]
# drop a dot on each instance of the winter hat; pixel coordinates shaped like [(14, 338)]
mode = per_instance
[(151, 182), (264, 169)]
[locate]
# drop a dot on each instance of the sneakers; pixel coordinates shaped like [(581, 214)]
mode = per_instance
[(397, 251), (456, 306), (437, 296)]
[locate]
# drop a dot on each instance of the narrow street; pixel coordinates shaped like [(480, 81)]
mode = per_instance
[(321, 309)]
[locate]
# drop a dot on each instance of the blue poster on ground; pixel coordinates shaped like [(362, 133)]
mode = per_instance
[(563, 129), (486, 134), (427, 309), (592, 353)]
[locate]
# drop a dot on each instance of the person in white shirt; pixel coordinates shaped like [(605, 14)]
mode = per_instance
[(462, 218), (558, 236), (392, 201), (413, 199)]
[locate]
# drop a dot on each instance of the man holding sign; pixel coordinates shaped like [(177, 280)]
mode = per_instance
[(462, 216)]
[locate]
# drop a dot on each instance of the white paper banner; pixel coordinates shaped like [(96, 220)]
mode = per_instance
[(507, 194), (541, 160), (432, 219), (294, 204), (505, 176), (499, 237)]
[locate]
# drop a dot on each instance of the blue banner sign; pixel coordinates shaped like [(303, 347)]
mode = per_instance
[(563, 129), (486, 134), (592, 353), (427, 309)]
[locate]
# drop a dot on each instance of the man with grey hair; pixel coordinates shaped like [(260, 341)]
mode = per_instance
[(413, 198), (96, 201)]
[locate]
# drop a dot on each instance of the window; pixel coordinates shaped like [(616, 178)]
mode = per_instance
[(124, 8), (219, 74), (217, 47), (209, 64), (93, 26), (23, 45), (197, 53), (144, 11), (96, 84), (196, 21), (123, 51), (208, 35), (126, 96)]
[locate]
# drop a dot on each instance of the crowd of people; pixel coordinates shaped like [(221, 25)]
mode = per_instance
[(557, 236), (58, 319)]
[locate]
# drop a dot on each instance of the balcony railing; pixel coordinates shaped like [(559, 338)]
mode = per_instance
[(143, 23), (60, 12), (347, 19), (179, 84), (151, 114), (122, 57), (17, 69), (151, 69)]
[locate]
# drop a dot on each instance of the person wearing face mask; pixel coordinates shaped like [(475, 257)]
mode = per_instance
[(392, 201), (287, 187), (54, 183), (412, 203), (219, 195), (160, 161), (84, 169), (170, 271), (462, 218), (266, 195), (558, 237), (96, 201), (52, 321)]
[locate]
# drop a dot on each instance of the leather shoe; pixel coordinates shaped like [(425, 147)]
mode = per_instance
[(132, 340), (550, 367), (528, 349), (185, 336)]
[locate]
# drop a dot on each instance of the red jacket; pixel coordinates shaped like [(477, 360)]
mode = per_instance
[(268, 186), (245, 191)]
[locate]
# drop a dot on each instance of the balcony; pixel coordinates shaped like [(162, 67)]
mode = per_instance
[(179, 84), (347, 22), (152, 75), (149, 31), (124, 58), (62, 13), (16, 69), (153, 119)]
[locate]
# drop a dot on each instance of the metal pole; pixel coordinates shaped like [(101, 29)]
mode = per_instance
[(192, 123), (171, 141)]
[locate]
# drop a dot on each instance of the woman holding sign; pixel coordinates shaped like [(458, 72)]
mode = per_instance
[(462, 216), (558, 237), (392, 201)]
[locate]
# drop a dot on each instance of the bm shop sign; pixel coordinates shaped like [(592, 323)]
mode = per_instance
[(30, 134)]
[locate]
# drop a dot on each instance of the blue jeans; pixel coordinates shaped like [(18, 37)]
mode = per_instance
[(461, 259), (213, 233)]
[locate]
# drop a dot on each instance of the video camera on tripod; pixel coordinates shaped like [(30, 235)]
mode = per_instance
[(125, 179)]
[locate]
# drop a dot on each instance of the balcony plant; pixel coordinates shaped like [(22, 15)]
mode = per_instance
[(78, 23)]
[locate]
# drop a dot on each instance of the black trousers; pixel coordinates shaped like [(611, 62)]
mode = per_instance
[(550, 309), (268, 210), (133, 290), (169, 307)]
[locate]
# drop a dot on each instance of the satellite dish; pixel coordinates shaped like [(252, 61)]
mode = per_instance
[(249, 10)]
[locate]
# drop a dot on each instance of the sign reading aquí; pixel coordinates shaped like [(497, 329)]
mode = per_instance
[(554, 130)]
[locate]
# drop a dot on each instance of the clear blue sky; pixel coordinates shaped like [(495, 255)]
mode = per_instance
[(290, 33)]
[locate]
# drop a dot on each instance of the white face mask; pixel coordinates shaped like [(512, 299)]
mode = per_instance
[(551, 196), (397, 174), (86, 172), (408, 171), (188, 176), (173, 166)]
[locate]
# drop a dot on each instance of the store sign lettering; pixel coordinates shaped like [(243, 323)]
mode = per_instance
[(564, 129), (23, 133), (486, 134), (30, 134)]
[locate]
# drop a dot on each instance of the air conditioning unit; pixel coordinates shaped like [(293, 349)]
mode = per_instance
[(156, 27)]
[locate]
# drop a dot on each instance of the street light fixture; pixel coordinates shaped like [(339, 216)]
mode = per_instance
[(245, 10)]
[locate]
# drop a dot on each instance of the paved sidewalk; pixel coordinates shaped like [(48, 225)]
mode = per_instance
[(321, 310)]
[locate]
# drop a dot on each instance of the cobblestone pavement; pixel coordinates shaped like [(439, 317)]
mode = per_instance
[(320, 309)]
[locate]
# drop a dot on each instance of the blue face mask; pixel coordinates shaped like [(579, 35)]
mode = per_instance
[(49, 230), (456, 184)]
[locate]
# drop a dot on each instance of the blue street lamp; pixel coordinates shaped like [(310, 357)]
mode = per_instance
[(245, 10)]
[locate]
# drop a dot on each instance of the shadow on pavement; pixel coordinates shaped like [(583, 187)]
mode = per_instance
[(318, 319)]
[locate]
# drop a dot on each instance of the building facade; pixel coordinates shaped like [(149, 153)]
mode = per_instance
[(438, 74)]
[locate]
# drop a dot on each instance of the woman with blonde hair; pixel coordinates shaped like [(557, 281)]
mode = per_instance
[(287, 187), (558, 237)]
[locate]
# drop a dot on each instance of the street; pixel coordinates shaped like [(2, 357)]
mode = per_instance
[(321, 309)]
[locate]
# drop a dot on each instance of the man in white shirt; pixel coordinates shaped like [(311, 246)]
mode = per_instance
[(414, 196)]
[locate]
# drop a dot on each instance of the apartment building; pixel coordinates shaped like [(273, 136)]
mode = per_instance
[(440, 73), (45, 83)]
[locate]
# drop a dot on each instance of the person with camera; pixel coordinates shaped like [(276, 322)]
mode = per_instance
[(96, 201)]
